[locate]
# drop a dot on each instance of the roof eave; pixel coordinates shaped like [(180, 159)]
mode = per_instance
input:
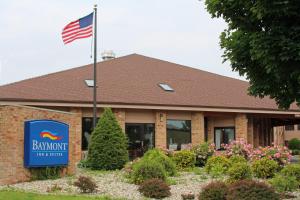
[(88, 104)]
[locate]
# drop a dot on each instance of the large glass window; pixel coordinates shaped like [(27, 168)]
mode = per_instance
[(140, 137), (178, 134), (223, 136), (87, 128)]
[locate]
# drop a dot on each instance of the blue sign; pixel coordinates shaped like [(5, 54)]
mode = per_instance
[(46, 143)]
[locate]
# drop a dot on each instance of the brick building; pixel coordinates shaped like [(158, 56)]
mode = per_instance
[(291, 131), (157, 103)]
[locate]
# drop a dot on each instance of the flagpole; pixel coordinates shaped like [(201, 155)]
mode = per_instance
[(95, 70)]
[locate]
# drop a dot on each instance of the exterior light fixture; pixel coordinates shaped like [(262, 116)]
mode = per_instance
[(161, 117)]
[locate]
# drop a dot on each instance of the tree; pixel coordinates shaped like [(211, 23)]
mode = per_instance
[(108, 146), (262, 42)]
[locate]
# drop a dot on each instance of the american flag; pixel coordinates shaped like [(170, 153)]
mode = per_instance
[(81, 28)]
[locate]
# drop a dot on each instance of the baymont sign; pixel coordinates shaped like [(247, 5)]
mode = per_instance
[(46, 143), (46, 146)]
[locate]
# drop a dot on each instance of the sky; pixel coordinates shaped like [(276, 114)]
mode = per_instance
[(180, 31)]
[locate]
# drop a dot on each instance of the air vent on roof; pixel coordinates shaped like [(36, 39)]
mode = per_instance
[(89, 83), (108, 55), (166, 87)]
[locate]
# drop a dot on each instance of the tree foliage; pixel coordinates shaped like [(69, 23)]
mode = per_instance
[(108, 147), (262, 42)]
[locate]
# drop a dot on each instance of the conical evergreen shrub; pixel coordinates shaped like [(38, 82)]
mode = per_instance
[(108, 146)]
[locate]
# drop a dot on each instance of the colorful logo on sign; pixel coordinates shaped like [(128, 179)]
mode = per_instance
[(51, 136), (46, 143)]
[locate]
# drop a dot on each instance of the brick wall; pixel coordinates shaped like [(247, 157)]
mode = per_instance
[(161, 129), (241, 126), (197, 128), (120, 116), (12, 139)]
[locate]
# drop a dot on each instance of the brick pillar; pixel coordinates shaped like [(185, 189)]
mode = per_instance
[(241, 126), (120, 116), (250, 135), (197, 128), (161, 129), (278, 135), (75, 140)]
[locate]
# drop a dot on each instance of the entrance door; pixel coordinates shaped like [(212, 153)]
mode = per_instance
[(140, 137), (224, 136)]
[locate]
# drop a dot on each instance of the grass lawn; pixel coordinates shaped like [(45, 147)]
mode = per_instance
[(15, 195)]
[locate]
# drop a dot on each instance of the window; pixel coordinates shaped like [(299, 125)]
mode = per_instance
[(140, 138), (224, 136), (166, 87), (87, 128), (178, 134), (89, 83), (289, 127)]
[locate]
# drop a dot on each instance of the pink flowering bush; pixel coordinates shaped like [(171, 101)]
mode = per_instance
[(281, 154), (238, 148)]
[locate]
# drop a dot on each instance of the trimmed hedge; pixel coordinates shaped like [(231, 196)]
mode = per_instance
[(147, 169), (284, 183), (155, 188), (217, 165), (160, 157), (239, 171), (292, 170), (264, 168), (214, 191), (250, 190), (294, 144), (184, 159)]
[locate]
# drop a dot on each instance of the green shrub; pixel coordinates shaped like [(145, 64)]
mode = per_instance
[(203, 152), (108, 147), (294, 144), (291, 170), (128, 168), (160, 157), (295, 152), (83, 164), (184, 159), (239, 171), (44, 173), (250, 190), (146, 169), (86, 184), (217, 165), (237, 159), (284, 183), (214, 191), (264, 168), (155, 188)]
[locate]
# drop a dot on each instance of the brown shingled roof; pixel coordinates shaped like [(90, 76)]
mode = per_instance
[(134, 79)]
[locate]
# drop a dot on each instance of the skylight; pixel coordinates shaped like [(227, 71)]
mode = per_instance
[(89, 83), (166, 87)]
